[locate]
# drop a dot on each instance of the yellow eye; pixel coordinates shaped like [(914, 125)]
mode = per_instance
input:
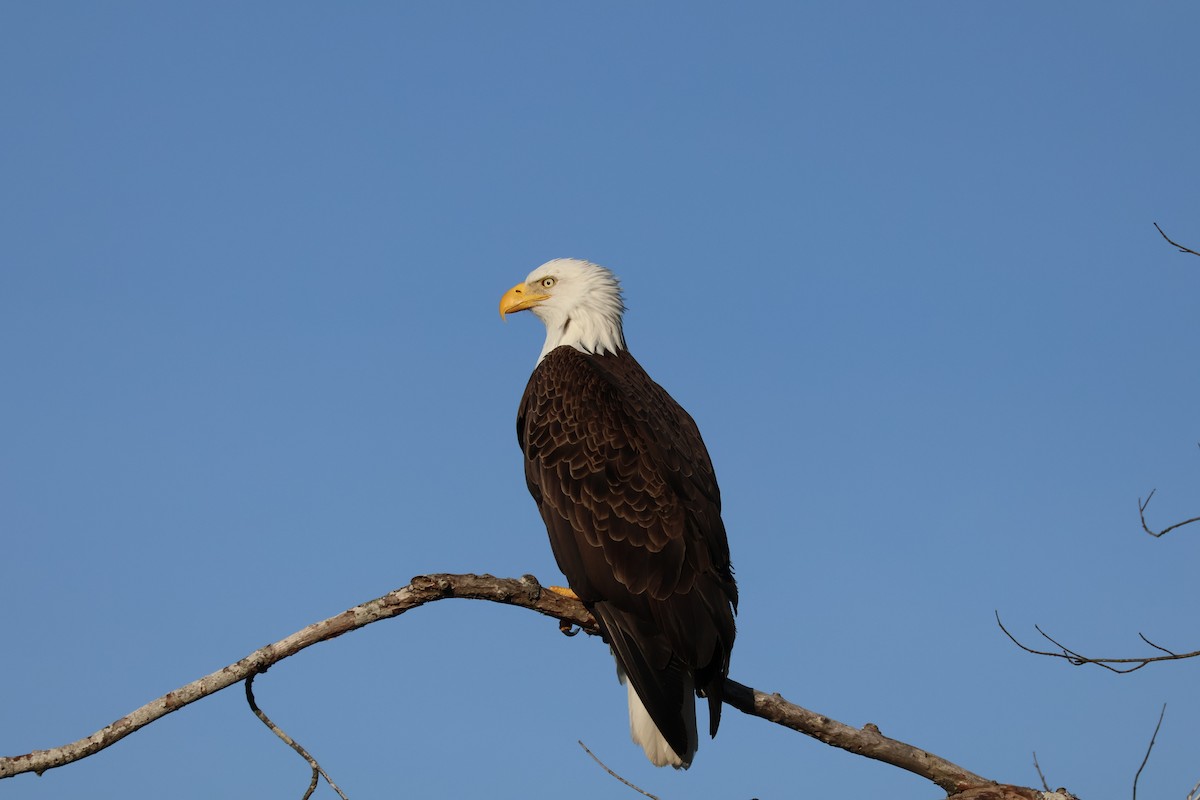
[(547, 283)]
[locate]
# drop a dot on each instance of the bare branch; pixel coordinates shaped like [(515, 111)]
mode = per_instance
[(1142, 512), (525, 592), (1180, 247), (317, 770), (1142, 636), (607, 769), (1153, 736), (866, 741), (1038, 767), (1111, 664)]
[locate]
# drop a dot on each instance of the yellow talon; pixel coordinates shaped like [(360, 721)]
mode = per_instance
[(565, 626)]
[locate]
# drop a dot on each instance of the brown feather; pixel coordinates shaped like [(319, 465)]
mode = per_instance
[(630, 501)]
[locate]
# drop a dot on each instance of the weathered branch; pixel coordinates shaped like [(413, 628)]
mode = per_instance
[(1118, 665), (866, 741), (525, 592)]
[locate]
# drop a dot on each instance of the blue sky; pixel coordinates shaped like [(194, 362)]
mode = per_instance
[(896, 259)]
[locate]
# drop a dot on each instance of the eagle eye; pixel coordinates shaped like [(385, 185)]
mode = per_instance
[(547, 282)]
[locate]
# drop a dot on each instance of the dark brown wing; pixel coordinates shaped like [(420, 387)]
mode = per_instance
[(627, 491)]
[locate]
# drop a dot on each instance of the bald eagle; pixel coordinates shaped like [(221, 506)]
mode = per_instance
[(626, 488)]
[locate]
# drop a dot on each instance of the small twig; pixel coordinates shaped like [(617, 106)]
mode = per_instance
[(1195, 792), (633, 786), (1142, 513), (1142, 636), (1078, 659), (292, 743), (1154, 736), (1071, 655), (1038, 767), (1182, 249)]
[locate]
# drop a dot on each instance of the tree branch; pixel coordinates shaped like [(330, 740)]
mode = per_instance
[(1142, 512), (866, 741), (524, 592), (1110, 664), (317, 770), (1038, 767), (1153, 736), (1180, 247), (610, 771)]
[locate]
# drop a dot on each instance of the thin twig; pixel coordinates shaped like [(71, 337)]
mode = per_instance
[(1182, 249), (1038, 767), (633, 786), (1142, 513), (1195, 792), (1142, 636), (1154, 736), (292, 743), (1078, 659)]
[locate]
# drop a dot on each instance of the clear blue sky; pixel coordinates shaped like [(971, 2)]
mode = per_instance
[(896, 259)]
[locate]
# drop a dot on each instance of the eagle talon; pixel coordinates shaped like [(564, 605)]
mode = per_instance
[(565, 626)]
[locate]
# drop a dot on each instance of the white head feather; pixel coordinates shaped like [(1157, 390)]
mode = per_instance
[(582, 306)]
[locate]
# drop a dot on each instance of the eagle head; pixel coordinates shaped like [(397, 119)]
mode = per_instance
[(579, 302)]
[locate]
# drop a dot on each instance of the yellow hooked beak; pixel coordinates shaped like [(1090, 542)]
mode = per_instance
[(519, 298)]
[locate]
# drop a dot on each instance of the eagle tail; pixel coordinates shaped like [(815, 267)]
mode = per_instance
[(647, 735)]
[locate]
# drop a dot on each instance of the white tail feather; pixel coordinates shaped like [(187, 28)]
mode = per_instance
[(646, 733)]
